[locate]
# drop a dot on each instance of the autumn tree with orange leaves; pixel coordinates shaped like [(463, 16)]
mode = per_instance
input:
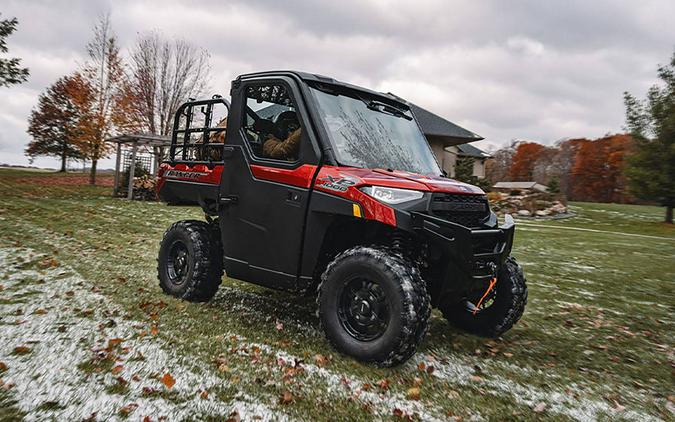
[(522, 167), (54, 124)]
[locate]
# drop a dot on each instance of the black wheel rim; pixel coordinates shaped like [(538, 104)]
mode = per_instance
[(363, 309), (178, 264)]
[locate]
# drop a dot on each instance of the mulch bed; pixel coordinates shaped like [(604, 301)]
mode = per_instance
[(66, 180)]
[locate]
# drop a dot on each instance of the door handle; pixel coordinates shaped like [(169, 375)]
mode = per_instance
[(294, 196), (228, 152), (228, 200)]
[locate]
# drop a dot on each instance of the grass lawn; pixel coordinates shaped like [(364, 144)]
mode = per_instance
[(86, 330)]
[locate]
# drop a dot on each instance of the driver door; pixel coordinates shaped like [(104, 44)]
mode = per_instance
[(267, 197)]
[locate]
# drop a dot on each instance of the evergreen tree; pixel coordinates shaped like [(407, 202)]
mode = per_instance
[(651, 169)]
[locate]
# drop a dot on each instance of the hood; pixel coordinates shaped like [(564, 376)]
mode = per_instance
[(407, 180)]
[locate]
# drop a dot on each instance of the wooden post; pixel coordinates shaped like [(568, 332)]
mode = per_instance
[(117, 169), (155, 160), (130, 194)]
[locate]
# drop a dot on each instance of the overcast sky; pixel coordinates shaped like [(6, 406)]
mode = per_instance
[(539, 70)]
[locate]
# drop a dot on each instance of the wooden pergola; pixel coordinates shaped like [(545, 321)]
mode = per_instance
[(154, 144)]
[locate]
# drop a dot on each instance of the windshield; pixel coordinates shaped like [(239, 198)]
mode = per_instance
[(369, 133)]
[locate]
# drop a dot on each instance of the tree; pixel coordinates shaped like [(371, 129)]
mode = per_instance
[(522, 168), (498, 166), (54, 124), (163, 75), (11, 71), (651, 169), (101, 83)]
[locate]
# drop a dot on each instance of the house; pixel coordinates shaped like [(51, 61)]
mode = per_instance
[(449, 141), (528, 187)]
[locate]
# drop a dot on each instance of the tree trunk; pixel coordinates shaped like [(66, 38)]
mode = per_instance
[(92, 173), (63, 159), (669, 214)]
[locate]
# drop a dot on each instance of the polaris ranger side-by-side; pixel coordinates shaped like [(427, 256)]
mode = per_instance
[(319, 187)]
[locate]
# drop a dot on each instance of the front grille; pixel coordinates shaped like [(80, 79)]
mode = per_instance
[(467, 210)]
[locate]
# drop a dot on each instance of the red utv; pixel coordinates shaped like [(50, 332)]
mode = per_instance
[(316, 186)]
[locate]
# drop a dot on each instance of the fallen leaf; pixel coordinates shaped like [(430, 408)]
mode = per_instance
[(3, 366), (413, 393), (507, 354), (234, 417), (22, 350), (539, 407), (224, 368), (40, 312), (476, 378), (417, 381), (147, 419), (154, 330), (117, 369), (430, 369), (204, 394), (365, 387), (168, 381), (126, 410), (321, 360), (421, 366), (618, 406), (113, 342), (286, 397), (383, 384), (279, 325)]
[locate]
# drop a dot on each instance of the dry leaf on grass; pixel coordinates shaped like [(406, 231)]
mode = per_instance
[(286, 397), (413, 393), (22, 350), (321, 360), (539, 407), (383, 384), (204, 394), (168, 381), (3, 366), (126, 410), (279, 325), (234, 417), (117, 369)]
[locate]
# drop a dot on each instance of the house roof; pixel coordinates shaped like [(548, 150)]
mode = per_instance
[(520, 185), (435, 125), (469, 150)]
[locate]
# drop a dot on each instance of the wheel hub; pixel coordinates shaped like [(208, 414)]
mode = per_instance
[(178, 263), (363, 309)]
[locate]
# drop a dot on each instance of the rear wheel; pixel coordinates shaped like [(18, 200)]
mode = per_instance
[(373, 305), (190, 264), (498, 311)]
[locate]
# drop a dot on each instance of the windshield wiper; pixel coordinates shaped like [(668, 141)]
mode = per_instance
[(387, 109)]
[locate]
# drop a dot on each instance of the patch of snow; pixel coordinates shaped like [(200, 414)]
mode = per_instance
[(61, 337)]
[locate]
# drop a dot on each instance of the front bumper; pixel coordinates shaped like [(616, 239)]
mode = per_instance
[(473, 255)]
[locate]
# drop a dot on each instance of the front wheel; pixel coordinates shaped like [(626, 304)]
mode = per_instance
[(498, 311), (190, 264), (373, 305)]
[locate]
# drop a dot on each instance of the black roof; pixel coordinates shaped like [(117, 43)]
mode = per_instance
[(469, 150), (434, 125), (431, 124)]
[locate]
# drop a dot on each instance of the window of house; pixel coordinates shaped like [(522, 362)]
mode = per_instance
[(271, 123)]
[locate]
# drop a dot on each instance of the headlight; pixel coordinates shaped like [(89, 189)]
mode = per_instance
[(392, 195)]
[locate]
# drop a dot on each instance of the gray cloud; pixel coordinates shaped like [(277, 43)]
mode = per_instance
[(519, 69)]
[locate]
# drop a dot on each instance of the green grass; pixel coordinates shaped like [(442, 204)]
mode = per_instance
[(597, 329)]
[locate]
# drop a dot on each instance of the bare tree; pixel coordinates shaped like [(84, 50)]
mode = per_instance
[(103, 79), (163, 75)]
